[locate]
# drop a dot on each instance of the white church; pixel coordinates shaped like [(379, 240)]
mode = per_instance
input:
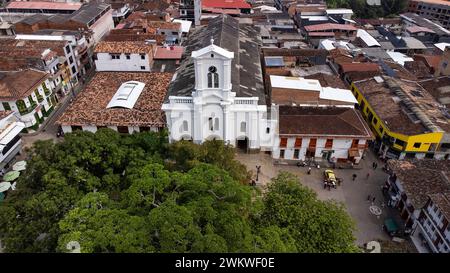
[(218, 92)]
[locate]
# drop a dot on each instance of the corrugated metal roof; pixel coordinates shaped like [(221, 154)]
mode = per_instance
[(367, 38)]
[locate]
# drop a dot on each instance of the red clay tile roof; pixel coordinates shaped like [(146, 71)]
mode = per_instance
[(329, 26), (418, 68), (20, 54), (421, 178), (417, 29), (124, 47), (431, 60), (228, 4), (13, 85), (320, 33), (322, 121), (152, 5), (89, 108), (164, 25), (4, 114), (327, 80), (43, 5), (169, 53), (439, 88), (151, 26), (350, 67), (222, 11)]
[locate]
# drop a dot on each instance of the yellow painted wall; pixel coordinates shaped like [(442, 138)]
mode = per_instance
[(425, 139)]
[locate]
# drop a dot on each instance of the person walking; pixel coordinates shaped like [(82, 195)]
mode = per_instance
[(373, 200), (309, 170), (368, 197), (354, 176), (368, 174), (375, 166)]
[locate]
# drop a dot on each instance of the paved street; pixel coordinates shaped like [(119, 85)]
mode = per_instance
[(352, 193)]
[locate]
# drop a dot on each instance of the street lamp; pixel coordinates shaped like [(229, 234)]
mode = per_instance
[(258, 168)]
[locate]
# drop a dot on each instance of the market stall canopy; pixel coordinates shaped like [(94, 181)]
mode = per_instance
[(20, 165), (11, 176), (4, 186)]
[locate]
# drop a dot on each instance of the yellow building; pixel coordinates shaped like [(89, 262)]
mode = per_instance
[(406, 120)]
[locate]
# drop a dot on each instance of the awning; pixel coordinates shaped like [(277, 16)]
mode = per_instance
[(390, 225), (353, 153), (11, 132)]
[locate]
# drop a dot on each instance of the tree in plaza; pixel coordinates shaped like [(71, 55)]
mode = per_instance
[(186, 155), (98, 226), (315, 225), (137, 193), (59, 175)]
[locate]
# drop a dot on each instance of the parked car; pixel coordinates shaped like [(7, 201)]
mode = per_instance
[(330, 176), (330, 179)]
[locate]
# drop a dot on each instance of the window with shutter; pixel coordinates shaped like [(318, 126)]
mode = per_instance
[(283, 142)]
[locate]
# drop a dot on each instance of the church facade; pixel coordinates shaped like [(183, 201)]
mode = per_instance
[(214, 97)]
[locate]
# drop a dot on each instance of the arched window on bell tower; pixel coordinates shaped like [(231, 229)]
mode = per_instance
[(213, 77)]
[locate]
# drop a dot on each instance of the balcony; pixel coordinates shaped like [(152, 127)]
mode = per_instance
[(181, 100), (54, 62), (47, 91), (27, 110), (81, 49), (248, 101), (57, 88), (39, 97), (84, 59)]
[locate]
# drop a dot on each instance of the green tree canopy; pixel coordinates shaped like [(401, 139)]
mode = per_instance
[(138, 193)]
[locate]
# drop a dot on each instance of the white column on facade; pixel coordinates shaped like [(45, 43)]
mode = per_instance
[(226, 123), (197, 125), (253, 130), (227, 75)]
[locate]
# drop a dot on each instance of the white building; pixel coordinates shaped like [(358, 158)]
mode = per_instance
[(120, 12), (333, 134), (10, 141), (123, 101), (340, 13), (420, 190), (433, 223), (32, 100), (218, 93), (76, 52), (308, 92), (126, 56)]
